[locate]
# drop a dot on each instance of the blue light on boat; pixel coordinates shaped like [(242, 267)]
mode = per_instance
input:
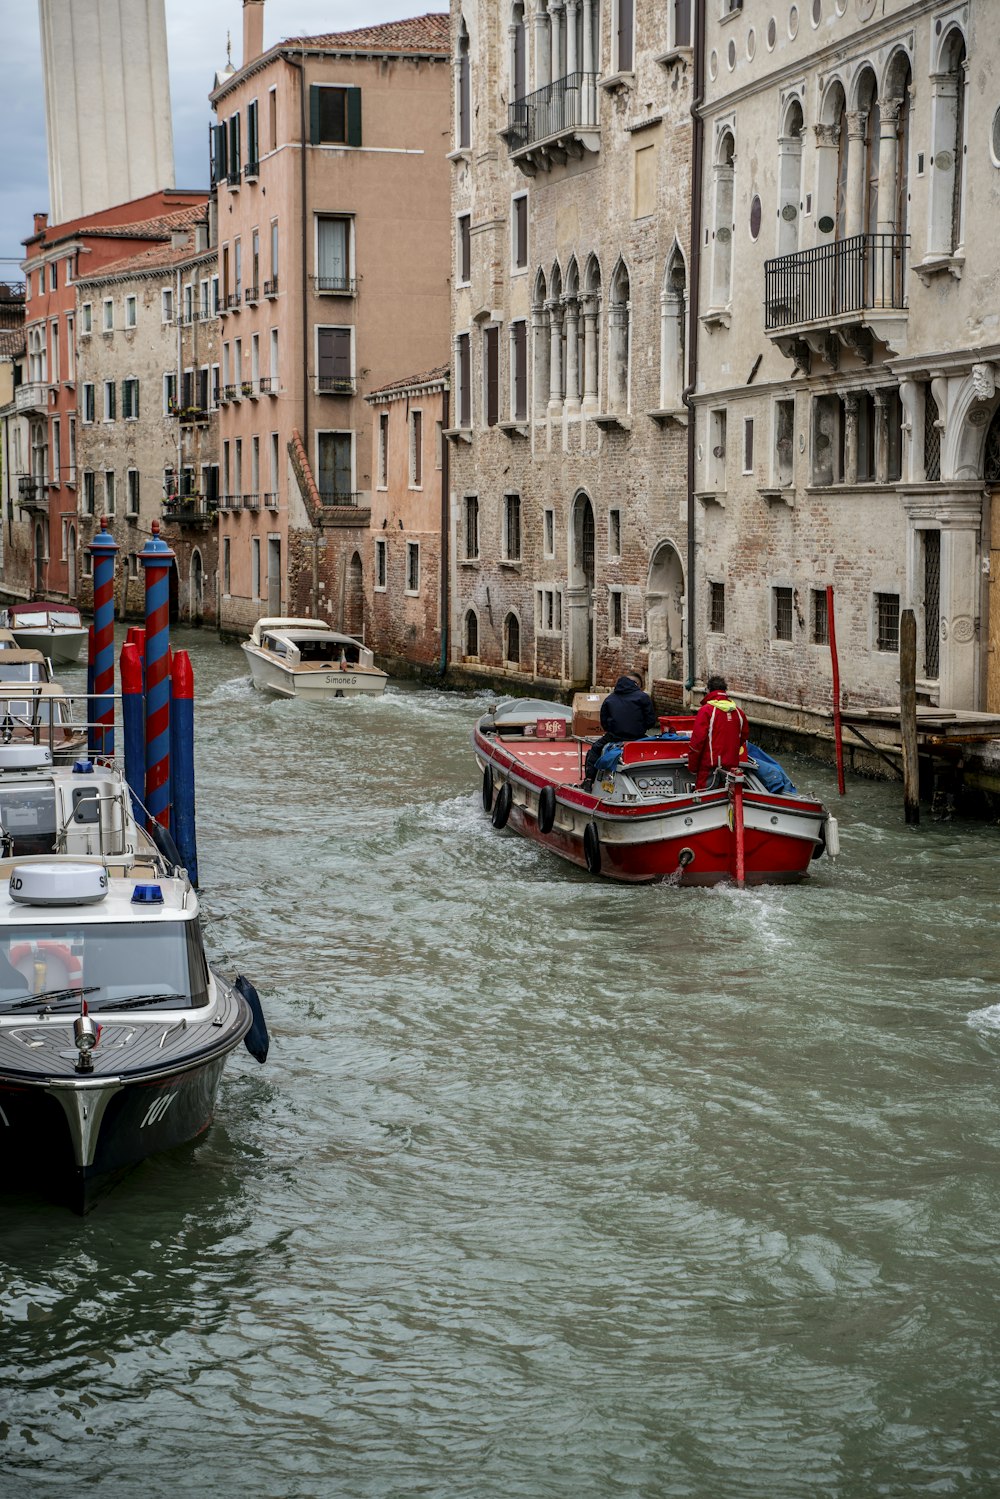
[(147, 895), (83, 768)]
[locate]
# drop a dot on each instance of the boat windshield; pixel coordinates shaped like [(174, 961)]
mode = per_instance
[(22, 671), (110, 964), (65, 618), (327, 650), (29, 618)]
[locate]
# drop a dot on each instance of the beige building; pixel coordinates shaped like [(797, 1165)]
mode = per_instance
[(147, 369), (409, 522), (571, 159), (333, 266), (848, 399)]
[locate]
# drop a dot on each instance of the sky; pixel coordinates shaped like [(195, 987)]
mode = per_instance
[(196, 38)]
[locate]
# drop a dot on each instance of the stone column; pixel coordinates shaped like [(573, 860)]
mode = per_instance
[(856, 121), (543, 55), (961, 521), (888, 115), (572, 315), (558, 23), (850, 475), (572, 61), (908, 398), (590, 395), (588, 115), (539, 336), (555, 312), (881, 437)]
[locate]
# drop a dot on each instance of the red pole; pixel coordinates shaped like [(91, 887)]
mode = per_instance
[(736, 802), (838, 731)]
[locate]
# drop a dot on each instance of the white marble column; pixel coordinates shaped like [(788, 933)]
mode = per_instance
[(554, 310), (590, 392), (572, 356)]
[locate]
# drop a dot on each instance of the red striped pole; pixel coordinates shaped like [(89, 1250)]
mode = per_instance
[(156, 557), (103, 550)]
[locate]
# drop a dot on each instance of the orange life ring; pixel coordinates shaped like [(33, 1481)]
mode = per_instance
[(20, 951)]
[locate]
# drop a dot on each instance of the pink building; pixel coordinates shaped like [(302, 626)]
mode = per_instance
[(332, 188)]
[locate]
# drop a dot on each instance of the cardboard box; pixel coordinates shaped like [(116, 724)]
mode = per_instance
[(587, 713)]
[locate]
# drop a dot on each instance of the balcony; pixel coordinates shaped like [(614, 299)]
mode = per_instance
[(230, 502), (271, 501), (189, 509), (844, 294), (335, 385), (189, 416), (251, 171), (233, 176), (33, 397), (251, 501), (271, 287), (559, 121), (267, 385), (341, 497), (230, 393), (252, 294), (232, 303), (335, 286), (32, 493)]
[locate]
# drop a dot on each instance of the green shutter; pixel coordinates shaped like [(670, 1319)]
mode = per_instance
[(314, 113), (354, 117)]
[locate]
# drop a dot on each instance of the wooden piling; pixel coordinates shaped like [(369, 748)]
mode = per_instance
[(908, 715)]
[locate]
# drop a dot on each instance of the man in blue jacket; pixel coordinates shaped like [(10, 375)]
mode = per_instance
[(626, 713)]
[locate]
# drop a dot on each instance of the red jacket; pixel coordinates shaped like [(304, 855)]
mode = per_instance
[(719, 737)]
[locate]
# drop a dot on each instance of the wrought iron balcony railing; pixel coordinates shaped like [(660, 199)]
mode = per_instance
[(566, 105), (252, 294), (32, 493), (189, 509), (233, 302), (267, 385), (271, 287), (342, 286), (340, 497), (251, 170), (271, 500), (864, 273), (335, 385), (251, 502)]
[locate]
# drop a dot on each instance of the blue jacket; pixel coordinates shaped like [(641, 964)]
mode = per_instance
[(627, 712)]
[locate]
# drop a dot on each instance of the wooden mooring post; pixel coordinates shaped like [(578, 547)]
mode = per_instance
[(908, 715)]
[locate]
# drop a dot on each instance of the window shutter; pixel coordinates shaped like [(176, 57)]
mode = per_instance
[(314, 113), (353, 116), (492, 376)]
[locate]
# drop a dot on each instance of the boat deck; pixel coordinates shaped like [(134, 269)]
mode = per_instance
[(561, 760)]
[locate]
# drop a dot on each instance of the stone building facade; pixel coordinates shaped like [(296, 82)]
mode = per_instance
[(408, 521), (331, 182), (848, 399), (147, 446), (571, 159)]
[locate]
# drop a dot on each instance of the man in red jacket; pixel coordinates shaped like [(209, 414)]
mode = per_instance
[(719, 736)]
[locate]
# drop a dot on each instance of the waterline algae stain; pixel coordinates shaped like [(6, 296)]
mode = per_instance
[(551, 1188)]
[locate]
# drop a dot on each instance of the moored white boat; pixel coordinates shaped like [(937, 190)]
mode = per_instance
[(113, 1028), (56, 630), (644, 820), (306, 658)]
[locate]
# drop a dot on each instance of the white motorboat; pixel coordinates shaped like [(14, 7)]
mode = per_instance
[(114, 1030), (306, 658), (56, 630)]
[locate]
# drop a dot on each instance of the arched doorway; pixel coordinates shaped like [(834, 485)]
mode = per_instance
[(354, 600), (71, 561), (39, 567), (580, 593), (197, 587), (512, 640), (665, 615)]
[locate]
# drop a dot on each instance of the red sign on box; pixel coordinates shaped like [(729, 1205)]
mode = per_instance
[(550, 728)]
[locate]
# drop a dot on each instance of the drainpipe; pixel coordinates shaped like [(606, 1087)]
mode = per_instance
[(303, 122), (445, 528), (694, 290)]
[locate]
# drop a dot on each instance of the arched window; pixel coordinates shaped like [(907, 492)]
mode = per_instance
[(512, 640), (895, 112), (722, 259), (463, 89), (540, 350), (591, 353), (71, 559), (554, 307), (673, 331), (354, 603), (518, 52), (946, 231), (619, 327), (790, 179), (471, 633), (197, 585), (573, 353)]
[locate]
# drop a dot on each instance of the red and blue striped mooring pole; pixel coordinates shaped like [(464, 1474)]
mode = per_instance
[(156, 557), (103, 549), (182, 761)]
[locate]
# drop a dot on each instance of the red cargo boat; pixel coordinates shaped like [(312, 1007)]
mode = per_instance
[(644, 820)]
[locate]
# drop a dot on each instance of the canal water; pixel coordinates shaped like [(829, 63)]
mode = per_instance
[(549, 1188)]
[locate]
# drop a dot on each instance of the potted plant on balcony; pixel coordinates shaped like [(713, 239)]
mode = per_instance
[(247, 387)]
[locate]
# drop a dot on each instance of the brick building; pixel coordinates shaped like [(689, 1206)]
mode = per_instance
[(408, 521), (568, 485)]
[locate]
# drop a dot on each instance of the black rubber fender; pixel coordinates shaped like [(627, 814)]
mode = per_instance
[(592, 847), (820, 848), (546, 809), (502, 805), (487, 787)]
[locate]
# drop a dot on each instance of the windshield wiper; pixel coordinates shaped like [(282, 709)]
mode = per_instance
[(133, 1002), (52, 996)]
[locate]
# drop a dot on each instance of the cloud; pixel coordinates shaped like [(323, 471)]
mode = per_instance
[(196, 39)]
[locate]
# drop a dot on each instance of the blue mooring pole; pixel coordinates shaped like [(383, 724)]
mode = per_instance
[(133, 726), (182, 762)]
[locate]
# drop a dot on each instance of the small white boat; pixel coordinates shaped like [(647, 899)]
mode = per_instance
[(54, 629), (306, 658)]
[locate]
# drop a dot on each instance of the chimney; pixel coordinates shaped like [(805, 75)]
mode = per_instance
[(253, 30), (41, 222)]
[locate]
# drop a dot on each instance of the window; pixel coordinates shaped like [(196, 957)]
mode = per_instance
[(272, 119), (520, 232), (88, 403), (614, 533), (275, 382), (471, 527), (109, 491), (412, 567), (130, 400), (233, 161), (54, 276), (464, 239), (254, 287), (238, 466), (887, 622), (383, 450), (253, 149), (72, 450), (274, 254), (624, 18), (380, 565), (893, 407), (614, 614), (717, 608), (87, 499), (416, 449), (512, 527), (644, 184), (781, 613), (472, 634), (819, 618), (255, 362), (334, 361), (131, 309), (549, 533), (334, 115), (680, 23), (188, 303), (56, 451), (866, 437), (87, 319), (948, 133), (784, 443), (722, 225), (619, 320), (519, 370), (748, 444), (717, 450), (255, 465), (238, 269), (275, 469), (512, 640), (132, 498), (54, 346), (463, 91), (216, 296), (108, 317), (491, 375), (828, 440), (548, 611), (70, 348), (336, 466), (169, 393), (463, 370), (204, 299), (226, 557), (333, 254), (255, 567), (109, 400)]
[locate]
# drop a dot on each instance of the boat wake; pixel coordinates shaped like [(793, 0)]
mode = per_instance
[(985, 1020)]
